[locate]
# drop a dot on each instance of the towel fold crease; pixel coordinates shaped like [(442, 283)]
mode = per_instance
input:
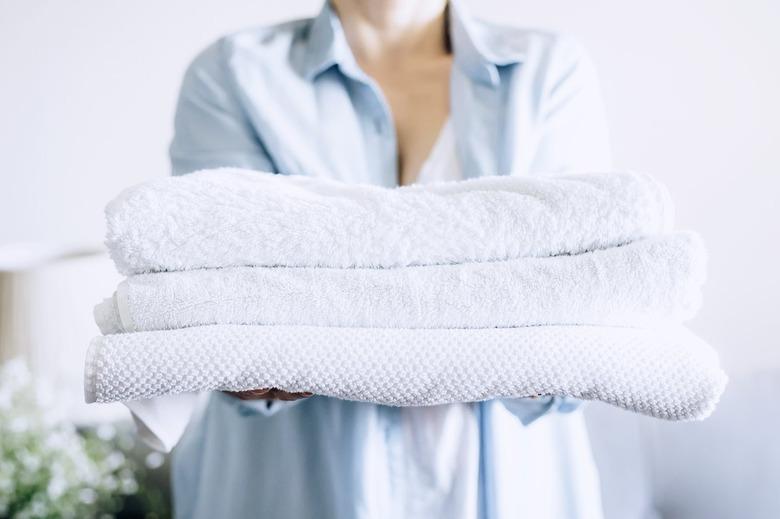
[(651, 281)]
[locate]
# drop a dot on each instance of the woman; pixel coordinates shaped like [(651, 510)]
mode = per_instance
[(387, 92)]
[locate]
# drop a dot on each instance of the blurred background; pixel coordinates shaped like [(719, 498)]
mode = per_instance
[(87, 93)]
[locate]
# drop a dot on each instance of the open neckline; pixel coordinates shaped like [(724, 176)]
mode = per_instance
[(435, 156)]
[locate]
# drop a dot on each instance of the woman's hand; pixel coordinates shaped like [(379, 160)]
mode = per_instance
[(268, 394)]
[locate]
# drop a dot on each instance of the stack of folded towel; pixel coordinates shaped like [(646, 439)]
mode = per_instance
[(419, 295)]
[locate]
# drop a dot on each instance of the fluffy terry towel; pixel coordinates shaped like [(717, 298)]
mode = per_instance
[(651, 281), (228, 217), (666, 373)]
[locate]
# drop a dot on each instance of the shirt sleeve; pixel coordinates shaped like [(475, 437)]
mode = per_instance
[(211, 126), (573, 128), (160, 422)]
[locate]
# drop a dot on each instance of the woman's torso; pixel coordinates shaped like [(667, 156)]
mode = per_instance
[(291, 99)]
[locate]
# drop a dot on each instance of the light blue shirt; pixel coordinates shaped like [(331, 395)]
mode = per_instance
[(291, 99)]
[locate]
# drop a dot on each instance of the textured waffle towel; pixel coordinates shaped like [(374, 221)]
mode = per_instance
[(665, 373), (227, 217), (648, 282)]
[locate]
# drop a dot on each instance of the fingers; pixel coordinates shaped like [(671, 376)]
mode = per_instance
[(252, 394), (288, 397)]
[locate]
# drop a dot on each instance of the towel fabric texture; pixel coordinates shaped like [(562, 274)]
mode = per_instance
[(229, 218), (666, 373), (420, 295), (650, 281)]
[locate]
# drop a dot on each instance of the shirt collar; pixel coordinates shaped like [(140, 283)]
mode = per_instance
[(325, 45), (479, 49)]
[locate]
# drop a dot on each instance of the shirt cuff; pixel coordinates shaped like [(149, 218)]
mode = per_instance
[(161, 421), (259, 407), (529, 410)]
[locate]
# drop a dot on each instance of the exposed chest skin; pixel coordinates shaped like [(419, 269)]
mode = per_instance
[(419, 98)]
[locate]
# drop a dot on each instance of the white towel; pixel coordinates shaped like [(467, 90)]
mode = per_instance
[(651, 281), (228, 217), (408, 296), (666, 373)]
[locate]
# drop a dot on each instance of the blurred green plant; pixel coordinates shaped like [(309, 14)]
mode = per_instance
[(51, 469)]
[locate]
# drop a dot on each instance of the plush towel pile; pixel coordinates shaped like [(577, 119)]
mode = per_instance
[(492, 287)]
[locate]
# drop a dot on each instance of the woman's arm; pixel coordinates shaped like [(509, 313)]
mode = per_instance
[(574, 138), (212, 130)]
